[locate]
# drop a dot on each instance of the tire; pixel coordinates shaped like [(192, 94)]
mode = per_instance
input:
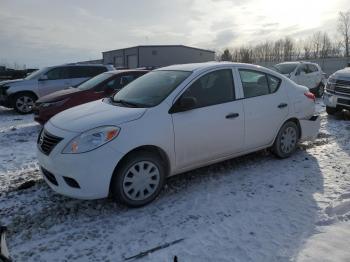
[(331, 110), (320, 90), (286, 140), (23, 103), (129, 186)]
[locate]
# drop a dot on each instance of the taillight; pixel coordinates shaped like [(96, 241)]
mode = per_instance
[(310, 96)]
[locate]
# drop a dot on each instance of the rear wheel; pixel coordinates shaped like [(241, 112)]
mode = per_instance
[(331, 110), (139, 180), (286, 140), (23, 103)]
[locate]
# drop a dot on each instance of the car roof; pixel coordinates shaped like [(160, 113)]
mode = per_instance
[(114, 72), (206, 65)]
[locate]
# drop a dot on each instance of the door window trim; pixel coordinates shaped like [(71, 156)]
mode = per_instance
[(188, 85), (267, 79)]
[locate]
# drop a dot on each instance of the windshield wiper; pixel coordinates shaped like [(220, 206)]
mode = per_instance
[(128, 103)]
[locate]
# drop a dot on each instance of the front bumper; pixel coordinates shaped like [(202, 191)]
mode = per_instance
[(336, 100), (92, 170)]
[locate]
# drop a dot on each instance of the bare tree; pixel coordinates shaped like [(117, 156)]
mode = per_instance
[(344, 29), (226, 55), (288, 49)]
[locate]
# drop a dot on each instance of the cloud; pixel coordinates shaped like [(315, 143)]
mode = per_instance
[(40, 33)]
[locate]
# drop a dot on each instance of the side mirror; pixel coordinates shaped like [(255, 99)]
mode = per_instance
[(43, 78), (4, 252), (109, 90), (184, 104)]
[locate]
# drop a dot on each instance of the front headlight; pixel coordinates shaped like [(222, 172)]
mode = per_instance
[(56, 103), (330, 86), (91, 139)]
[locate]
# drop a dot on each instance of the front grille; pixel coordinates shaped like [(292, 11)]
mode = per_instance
[(342, 86), (344, 101), (47, 142), (49, 176)]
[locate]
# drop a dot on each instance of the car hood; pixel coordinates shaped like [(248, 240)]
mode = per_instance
[(59, 95), (95, 114), (10, 81), (343, 73)]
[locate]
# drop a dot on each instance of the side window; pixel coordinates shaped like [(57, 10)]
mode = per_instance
[(213, 88), (114, 83), (126, 79), (312, 68), (254, 83), (58, 73), (95, 70), (77, 72), (302, 68), (274, 83)]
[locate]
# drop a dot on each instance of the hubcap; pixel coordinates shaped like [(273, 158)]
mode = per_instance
[(141, 180), (24, 104), (288, 140)]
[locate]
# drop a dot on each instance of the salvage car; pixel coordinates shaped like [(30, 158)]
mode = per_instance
[(169, 121), (304, 73), (21, 94), (93, 89), (337, 94)]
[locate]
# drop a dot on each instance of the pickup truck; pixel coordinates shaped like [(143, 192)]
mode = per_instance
[(337, 94)]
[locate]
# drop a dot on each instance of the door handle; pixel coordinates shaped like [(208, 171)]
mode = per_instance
[(282, 105), (232, 115)]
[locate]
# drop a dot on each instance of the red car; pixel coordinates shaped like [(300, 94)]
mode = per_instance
[(98, 87)]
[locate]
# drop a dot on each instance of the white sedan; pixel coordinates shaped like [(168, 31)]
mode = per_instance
[(172, 120)]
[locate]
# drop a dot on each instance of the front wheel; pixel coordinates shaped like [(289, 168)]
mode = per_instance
[(139, 180), (23, 103), (286, 140)]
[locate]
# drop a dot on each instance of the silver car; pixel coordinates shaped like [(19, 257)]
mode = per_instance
[(22, 93)]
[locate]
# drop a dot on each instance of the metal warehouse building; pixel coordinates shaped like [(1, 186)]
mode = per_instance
[(156, 56)]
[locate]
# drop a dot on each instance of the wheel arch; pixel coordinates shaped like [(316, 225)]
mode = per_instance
[(291, 119), (148, 148), (13, 95)]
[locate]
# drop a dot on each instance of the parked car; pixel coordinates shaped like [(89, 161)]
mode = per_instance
[(93, 89), (172, 120), (304, 73), (21, 94), (337, 94)]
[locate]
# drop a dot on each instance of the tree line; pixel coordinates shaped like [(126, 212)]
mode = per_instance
[(318, 45)]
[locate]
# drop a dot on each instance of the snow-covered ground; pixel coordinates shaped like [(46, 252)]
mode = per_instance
[(254, 208)]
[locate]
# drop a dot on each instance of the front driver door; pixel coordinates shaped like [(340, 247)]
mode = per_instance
[(215, 127)]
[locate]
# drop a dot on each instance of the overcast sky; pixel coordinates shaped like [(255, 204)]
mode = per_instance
[(39, 33)]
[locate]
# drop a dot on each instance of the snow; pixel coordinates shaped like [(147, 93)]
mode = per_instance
[(253, 208)]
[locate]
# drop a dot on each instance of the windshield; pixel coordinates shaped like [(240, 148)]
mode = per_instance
[(36, 74), (285, 68), (92, 82), (150, 89)]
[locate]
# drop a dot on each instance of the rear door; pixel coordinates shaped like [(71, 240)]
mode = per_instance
[(215, 127), (56, 79), (265, 106)]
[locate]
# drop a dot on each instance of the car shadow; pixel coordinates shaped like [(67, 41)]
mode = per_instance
[(251, 208)]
